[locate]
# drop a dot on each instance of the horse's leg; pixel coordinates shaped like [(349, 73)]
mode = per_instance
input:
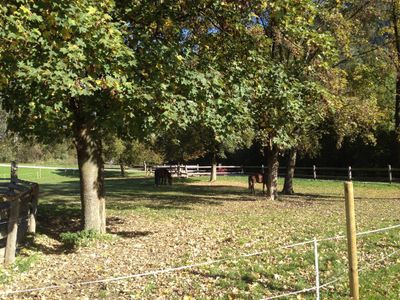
[(251, 185)]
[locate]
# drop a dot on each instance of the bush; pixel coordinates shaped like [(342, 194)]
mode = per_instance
[(81, 238)]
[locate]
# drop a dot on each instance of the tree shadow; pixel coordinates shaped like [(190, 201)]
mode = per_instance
[(72, 173), (131, 234)]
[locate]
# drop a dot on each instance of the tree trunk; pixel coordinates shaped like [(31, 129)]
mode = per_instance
[(213, 176), (122, 167), (290, 166), (91, 172), (272, 172)]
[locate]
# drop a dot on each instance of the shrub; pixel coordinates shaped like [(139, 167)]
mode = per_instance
[(81, 238)]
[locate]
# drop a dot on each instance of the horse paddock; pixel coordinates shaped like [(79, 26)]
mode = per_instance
[(194, 221)]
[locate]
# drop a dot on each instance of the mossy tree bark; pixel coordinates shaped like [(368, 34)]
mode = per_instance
[(91, 172)]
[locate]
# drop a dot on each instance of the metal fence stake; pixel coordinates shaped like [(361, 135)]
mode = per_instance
[(316, 269)]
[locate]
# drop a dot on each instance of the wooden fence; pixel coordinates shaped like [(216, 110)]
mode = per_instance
[(18, 207), (387, 174)]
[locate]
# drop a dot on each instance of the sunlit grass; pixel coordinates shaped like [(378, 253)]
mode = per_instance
[(222, 220)]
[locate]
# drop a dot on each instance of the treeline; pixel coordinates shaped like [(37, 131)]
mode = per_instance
[(192, 79)]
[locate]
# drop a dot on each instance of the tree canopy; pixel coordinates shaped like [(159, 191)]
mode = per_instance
[(195, 78)]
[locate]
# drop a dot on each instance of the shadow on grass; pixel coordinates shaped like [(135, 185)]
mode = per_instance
[(131, 234), (60, 210)]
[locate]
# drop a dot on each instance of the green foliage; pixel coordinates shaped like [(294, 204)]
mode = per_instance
[(130, 152), (81, 238), (63, 62)]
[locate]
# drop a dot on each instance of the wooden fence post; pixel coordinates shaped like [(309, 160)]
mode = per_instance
[(33, 209), (12, 231), (262, 169), (351, 240), (390, 173), (314, 172), (350, 175)]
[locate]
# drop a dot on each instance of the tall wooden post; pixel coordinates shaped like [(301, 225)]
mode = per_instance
[(12, 232), (390, 173), (33, 209), (314, 172), (351, 240), (350, 174)]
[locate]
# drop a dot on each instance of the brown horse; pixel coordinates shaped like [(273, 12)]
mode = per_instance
[(162, 176), (259, 178)]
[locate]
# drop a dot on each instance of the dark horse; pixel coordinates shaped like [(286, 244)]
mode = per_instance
[(259, 178), (162, 176)]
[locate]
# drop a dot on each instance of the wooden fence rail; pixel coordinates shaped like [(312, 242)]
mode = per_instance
[(18, 208), (387, 174)]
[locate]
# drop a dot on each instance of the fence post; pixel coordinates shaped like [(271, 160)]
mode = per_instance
[(390, 173), (198, 167), (314, 172), (12, 231), (350, 175), (145, 167), (262, 169), (351, 240), (33, 209), (316, 268), (242, 169)]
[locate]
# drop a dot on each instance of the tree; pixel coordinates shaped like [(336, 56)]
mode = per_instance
[(129, 153), (65, 74), (373, 59), (290, 68), (206, 94)]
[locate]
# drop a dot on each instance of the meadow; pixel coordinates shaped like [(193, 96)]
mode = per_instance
[(194, 221)]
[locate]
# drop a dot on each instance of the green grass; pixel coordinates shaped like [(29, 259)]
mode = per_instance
[(193, 221)]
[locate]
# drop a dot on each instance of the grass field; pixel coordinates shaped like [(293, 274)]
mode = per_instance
[(194, 221)]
